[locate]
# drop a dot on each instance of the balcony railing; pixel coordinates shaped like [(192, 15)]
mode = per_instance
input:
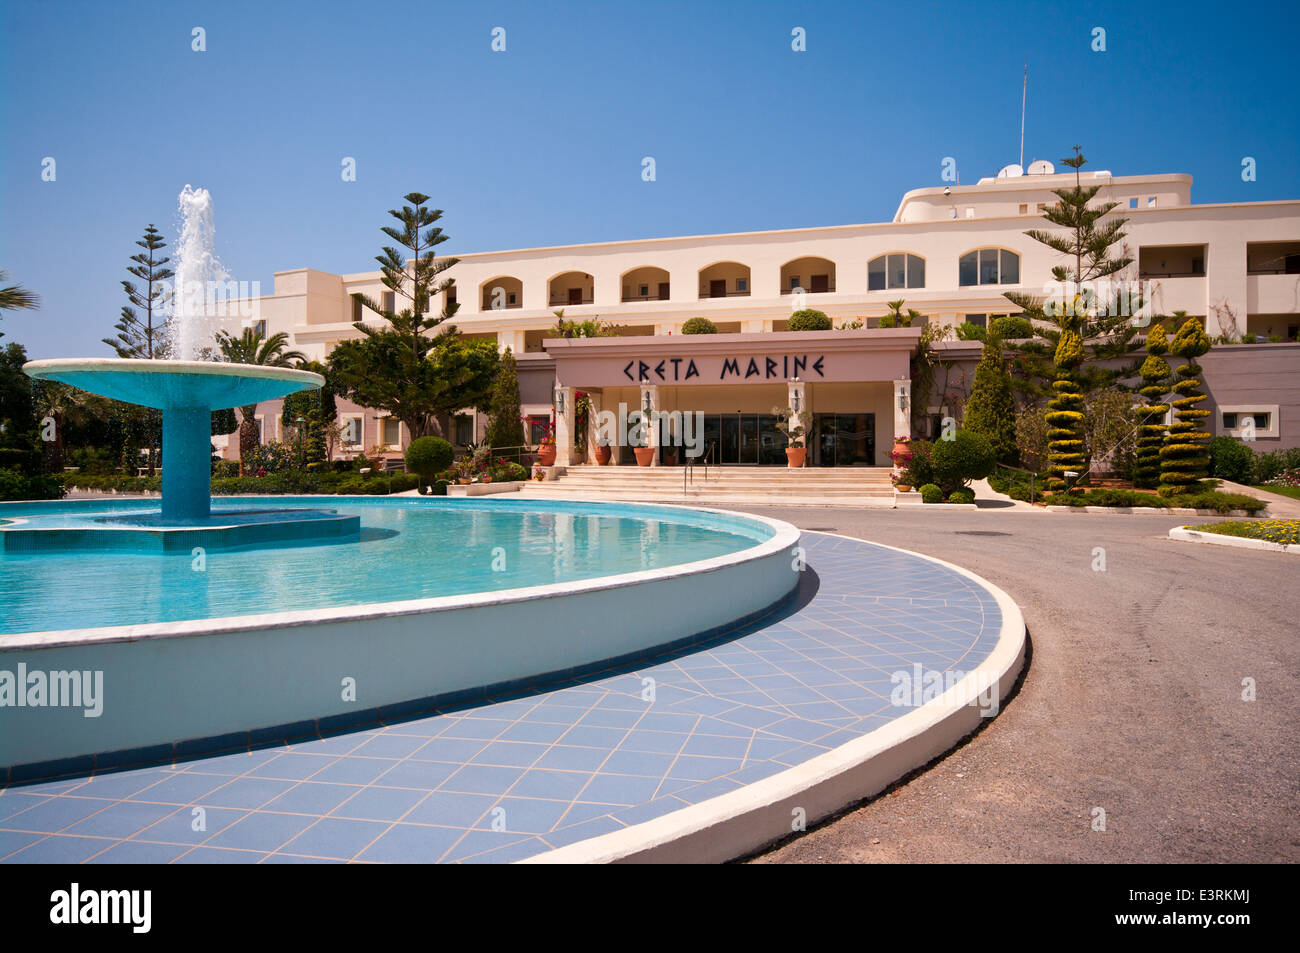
[(1171, 274), (704, 294), (564, 301), (809, 291), (632, 299), (488, 306)]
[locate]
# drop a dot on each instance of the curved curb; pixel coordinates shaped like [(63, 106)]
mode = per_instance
[(1241, 542), (740, 822)]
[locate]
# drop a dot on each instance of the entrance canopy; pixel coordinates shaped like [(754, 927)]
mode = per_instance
[(879, 354)]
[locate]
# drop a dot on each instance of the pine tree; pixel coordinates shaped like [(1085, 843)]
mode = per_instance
[(1151, 431), (1185, 459), (506, 426), (144, 338), (1101, 320), (991, 410)]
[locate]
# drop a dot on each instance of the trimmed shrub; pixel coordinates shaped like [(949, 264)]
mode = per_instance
[(969, 331), (1184, 458), (426, 456), (967, 456), (961, 496), (701, 326), (931, 494), (1151, 429), (1231, 460), (1065, 414), (1012, 327), (809, 319), (440, 488)]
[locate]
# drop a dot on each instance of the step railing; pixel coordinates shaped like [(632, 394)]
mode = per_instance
[(688, 469)]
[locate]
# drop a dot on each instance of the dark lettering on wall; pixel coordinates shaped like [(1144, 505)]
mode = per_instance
[(692, 370), (730, 365)]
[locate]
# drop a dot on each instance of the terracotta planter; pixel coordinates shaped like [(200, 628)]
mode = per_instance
[(795, 456), (485, 478), (901, 453), (644, 456), (670, 457), (904, 488), (546, 454), (464, 481), (603, 455)]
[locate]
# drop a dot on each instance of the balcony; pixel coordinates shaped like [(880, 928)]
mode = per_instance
[(817, 289), (564, 301), (1170, 293), (1273, 294)]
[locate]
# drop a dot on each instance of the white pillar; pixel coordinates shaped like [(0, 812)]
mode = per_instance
[(650, 401), (564, 426), (902, 408)]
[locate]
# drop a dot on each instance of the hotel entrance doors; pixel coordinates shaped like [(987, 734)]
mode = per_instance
[(843, 440), (744, 439)]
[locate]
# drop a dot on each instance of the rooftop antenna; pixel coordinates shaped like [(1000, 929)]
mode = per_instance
[(1024, 95)]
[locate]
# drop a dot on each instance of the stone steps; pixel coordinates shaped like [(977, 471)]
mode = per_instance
[(859, 486)]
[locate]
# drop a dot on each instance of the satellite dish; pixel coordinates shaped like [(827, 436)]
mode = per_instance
[(1010, 171), (1041, 167)]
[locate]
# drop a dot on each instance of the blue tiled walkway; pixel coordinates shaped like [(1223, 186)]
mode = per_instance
[(506, 780)]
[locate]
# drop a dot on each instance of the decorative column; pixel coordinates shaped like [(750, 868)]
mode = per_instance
[(797, 403), (564, 425), (902, 412), (186, 465)]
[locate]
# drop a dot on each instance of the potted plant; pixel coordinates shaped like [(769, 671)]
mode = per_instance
[(638, 437), (470, 464), (603, 454), (546, 452), (795, 425)]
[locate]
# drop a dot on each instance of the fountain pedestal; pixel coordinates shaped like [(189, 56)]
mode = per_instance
[(186, 465)]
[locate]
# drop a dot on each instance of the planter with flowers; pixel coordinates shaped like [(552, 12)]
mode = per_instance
[(546, 451)]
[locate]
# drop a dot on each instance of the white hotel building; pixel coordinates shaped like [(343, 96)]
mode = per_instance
[(950, 253)]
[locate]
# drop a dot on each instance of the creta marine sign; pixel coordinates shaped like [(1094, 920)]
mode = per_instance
[(764, 368)]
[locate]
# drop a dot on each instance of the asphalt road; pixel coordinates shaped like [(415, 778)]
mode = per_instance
[(1131, 701)]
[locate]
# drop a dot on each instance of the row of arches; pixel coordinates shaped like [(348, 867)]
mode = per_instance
[(727, 279)]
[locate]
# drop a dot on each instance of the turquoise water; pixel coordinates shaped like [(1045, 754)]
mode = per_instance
[(410, 549)]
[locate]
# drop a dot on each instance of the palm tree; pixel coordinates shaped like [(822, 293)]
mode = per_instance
[(13, 297), (252, 348)]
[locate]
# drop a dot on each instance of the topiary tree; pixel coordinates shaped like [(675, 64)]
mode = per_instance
[(1012, 327), (1184, 459), (1065, 413), (506, 425), (1155, 374), (966, 456), (699, 326), (991, 410), (809, 319), (426, 457)]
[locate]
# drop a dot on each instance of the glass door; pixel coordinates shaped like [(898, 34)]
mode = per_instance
[(844, 440)]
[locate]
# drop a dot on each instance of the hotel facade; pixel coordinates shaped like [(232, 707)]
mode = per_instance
[(949, 253)]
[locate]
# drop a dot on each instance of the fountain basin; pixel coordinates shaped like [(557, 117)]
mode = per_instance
[(198, 677)]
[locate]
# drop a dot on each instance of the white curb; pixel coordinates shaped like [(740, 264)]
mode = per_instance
[(1241, 542)]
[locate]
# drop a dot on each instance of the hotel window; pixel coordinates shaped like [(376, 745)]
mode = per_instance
[(742, 285), (1042, 206), (1024, 209), (464, 430), (537, 427), (895, 271), (981, 319), (356, 310), (1265, 417), (1133, 203), (259, 422), (392, 432), (1151, 202), (794, 282), (390, 301), (451, 295), (511, 299), (988, 266), (643, 291), (352, 431), (970, 211), (259, 327)]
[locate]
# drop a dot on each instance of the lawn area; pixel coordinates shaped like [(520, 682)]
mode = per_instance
[(1291, 491), (1274, 531)]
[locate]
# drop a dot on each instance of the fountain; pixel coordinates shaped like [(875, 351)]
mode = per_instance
[(186, 391)]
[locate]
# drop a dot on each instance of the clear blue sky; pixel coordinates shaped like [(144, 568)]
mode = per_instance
[(542, 144)]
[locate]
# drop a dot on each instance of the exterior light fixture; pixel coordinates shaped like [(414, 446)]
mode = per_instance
[(794, 400), (559, 400)]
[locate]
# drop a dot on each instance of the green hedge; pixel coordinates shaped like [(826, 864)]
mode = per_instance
[(1206, 500), (276, 484), (19, 486)]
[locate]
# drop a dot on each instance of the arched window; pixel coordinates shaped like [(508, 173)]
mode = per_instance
[(989, 266), (896, 270)]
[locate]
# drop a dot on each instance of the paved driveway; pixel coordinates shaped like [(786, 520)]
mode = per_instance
[(1132, 701)]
